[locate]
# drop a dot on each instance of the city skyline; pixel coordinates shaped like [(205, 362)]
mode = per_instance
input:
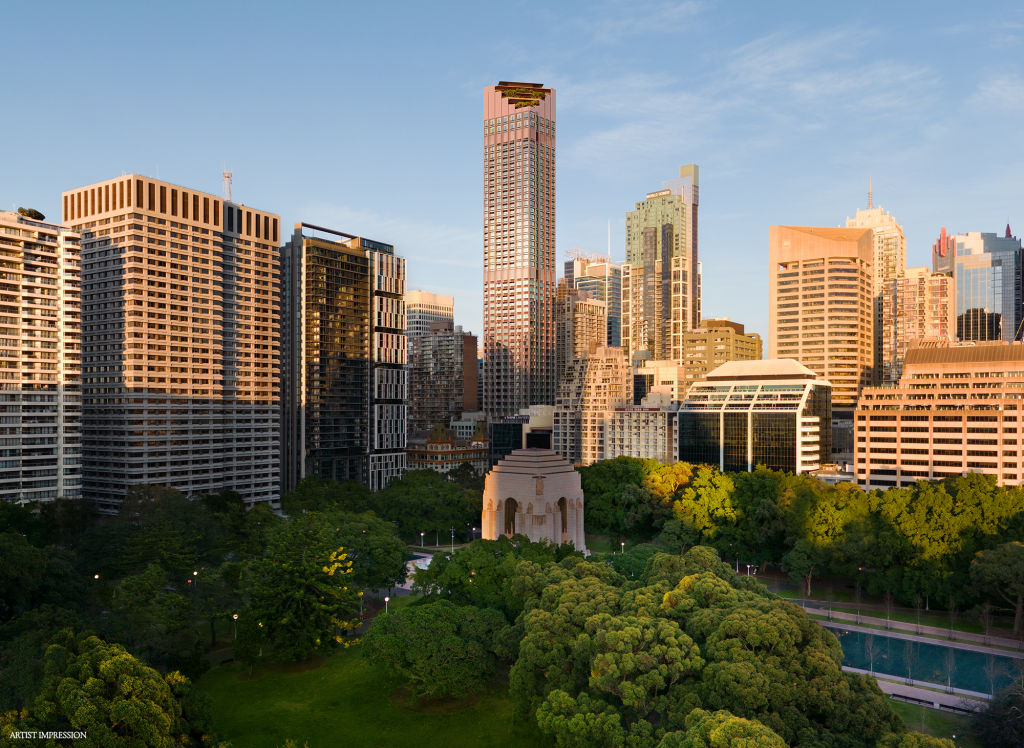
[(788, 118)]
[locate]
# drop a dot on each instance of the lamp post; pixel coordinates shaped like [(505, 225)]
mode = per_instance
[(234, 624), (386, 601), (453, 540), (96, 576), (622, 546), (748, 570), (421, 540)]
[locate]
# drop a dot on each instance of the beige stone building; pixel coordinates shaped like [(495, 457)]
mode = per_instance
[(956, 409), (820, 298), (40, 361), (581, 326), (663, 376), (536, 493), (919, 306), (648, 430), (715, 342), (595, 385), (180, 315)]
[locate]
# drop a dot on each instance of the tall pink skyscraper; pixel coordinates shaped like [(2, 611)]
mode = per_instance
[(519, 246)]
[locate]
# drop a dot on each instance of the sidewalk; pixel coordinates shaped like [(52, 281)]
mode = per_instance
[(959, 701), (968, 639)]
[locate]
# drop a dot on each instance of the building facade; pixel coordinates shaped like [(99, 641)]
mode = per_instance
[(40, 361), (536, 493), (775, 413), (600, 279), (821, 308), (986, 271), (442, 452), (957, 409), (660, 376), (344, 381), (442, 376), (581, 326), (594, 385), (422, 309), (518, 247), (180, 350), (715, 342), (647, 431), (661, 298), (920, 306), (889, 263)]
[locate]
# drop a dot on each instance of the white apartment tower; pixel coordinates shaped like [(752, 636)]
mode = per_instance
[(180, 317), (40, 361)]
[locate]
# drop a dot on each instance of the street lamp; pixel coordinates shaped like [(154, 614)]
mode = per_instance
[(421, 540), (95, 576), (234, 624), (453, 540), (748, 570), (386, 601)]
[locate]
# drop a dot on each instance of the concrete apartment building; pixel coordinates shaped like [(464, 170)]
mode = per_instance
[(775, 413), (661, 376), (581, 326), (956, 409), (715, 342), (595, 384), (180, 361), (821, 308), (987, 277), (518, 247), (919, 306), (40, 361), (422, 309), (344, 380), (661, 297), (647, 431), (600, 279), (442, 376)]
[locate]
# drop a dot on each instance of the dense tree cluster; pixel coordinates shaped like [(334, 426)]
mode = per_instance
[(686, 653), (144, 589), (932, 543)]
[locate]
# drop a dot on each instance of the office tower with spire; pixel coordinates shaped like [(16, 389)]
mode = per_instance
[(889, 261), (600, 279), (344, 379), (986, 271), (518, 247), (180, 347), (40, 360), (661, 298)]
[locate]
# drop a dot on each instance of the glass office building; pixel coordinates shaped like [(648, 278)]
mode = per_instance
[(747, 413)]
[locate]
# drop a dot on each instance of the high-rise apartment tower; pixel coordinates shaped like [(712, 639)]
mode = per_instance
[(600, 279), (661, 279), (180, 318), (40, 361), (344, 381), (518, 246)]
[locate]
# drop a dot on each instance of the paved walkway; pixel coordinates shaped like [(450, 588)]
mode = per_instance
[(958, 701), (962, 639)]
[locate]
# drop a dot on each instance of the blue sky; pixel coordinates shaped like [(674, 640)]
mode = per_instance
[(365, 117)]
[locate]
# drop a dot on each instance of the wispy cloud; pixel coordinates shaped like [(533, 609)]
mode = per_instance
[(1002, 92), (611, 21), (439, 243)]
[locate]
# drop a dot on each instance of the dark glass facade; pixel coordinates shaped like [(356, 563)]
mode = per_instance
[(506, 436), (698, 438)]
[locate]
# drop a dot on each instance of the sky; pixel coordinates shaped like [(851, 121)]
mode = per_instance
[(365, 117)]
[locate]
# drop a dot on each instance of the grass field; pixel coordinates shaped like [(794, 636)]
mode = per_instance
[(935, 722), (347, 701)]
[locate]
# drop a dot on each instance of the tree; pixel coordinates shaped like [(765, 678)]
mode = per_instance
[(31, 213), (301, 588), (443, 649), (801, 563), (706, 504), (721, 729), (99, 688), (1001, 723), (374, 548), (1000, 572)]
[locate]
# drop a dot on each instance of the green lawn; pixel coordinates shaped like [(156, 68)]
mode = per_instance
[(934, 722), (348, 701)]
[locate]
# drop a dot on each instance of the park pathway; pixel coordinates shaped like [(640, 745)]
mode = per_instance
[(1000, 645), (954, 700)]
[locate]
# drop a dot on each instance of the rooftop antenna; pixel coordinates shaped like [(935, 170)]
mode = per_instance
[(227, 186), (869, 193)]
